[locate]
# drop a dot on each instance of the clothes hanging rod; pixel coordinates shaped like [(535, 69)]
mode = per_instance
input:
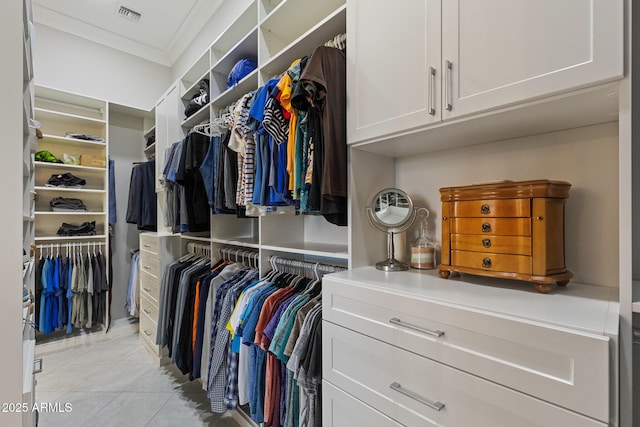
[(307, 265)]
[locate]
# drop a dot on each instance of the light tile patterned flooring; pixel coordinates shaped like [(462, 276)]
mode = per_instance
[(114, 382)]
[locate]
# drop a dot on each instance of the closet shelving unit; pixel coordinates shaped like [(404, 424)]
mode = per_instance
[(29, 147), (276, 33), (60, 113)]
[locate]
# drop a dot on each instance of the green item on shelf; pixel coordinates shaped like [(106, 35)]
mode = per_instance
[(46, 156)]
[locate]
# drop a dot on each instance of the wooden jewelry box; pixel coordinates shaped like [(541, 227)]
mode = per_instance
[(511, 230)]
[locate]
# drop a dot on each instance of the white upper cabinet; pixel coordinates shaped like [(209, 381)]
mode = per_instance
[(431, 60), (392, 66), (504, 52)]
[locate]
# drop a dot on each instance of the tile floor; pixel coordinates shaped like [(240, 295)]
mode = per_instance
[(114, 382)]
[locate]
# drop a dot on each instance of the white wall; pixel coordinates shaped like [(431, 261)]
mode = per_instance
[(586, 157), (11, 193), (228, 11), (125, 146), (66, 62)]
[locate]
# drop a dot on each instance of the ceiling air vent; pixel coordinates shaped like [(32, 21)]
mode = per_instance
[(130, 14)]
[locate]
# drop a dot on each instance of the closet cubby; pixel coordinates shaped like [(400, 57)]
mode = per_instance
[(245, 48), (233, 34), (228, 228), (292, 20), (191, 79)]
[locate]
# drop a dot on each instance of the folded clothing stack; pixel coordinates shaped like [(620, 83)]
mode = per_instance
[(84, 136), (64, 204), (84, 229), (66, 180)]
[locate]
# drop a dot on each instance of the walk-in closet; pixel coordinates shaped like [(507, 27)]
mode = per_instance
[(278, 213)]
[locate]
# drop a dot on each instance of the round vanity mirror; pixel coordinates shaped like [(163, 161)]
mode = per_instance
[(391, 211)]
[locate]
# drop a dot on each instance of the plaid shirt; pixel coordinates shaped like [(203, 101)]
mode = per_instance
[(220, 394)]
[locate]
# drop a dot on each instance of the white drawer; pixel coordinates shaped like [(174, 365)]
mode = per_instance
[(416, 391), (149, 243), (566, 367), (149, 308), (149, 286), (341, 410), (148, 328), (149, 264)]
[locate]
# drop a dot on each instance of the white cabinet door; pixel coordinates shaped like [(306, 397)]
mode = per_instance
[(503, 52), (391, 67)]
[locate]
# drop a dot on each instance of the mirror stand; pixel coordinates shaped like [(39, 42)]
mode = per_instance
[(391, 263)]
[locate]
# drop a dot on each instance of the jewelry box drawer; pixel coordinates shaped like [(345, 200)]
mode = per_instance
[(149, 243), (567, 367), (517, 245), (393, 380), (492, 208), (496, 226), (492, 262), (150, 285)]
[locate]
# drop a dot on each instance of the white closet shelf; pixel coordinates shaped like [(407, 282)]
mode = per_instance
[(150, 149), (72, 190), (82, 213), (197, 117), (247, 84), (63, 238), (195, 237), (47, 165), (247, 242), (148, 132), (67, 116), (245, 48), (72, 141), (636, 296), (194, 87), (322, 32), (325, 250)]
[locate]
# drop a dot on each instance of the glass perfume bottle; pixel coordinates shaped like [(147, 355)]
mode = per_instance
[(423, 249)]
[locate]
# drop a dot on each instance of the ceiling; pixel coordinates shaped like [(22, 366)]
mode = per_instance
[(164, 30)]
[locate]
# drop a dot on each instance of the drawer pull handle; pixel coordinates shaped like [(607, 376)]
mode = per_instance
[(147, 333), (486, 227), (438, 406), (436, 333), (484, 209), (147, 246), (146, 267), (432, 92), (448, 79), (146, 310), (486, 243), (147, 289), (486, 263)]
